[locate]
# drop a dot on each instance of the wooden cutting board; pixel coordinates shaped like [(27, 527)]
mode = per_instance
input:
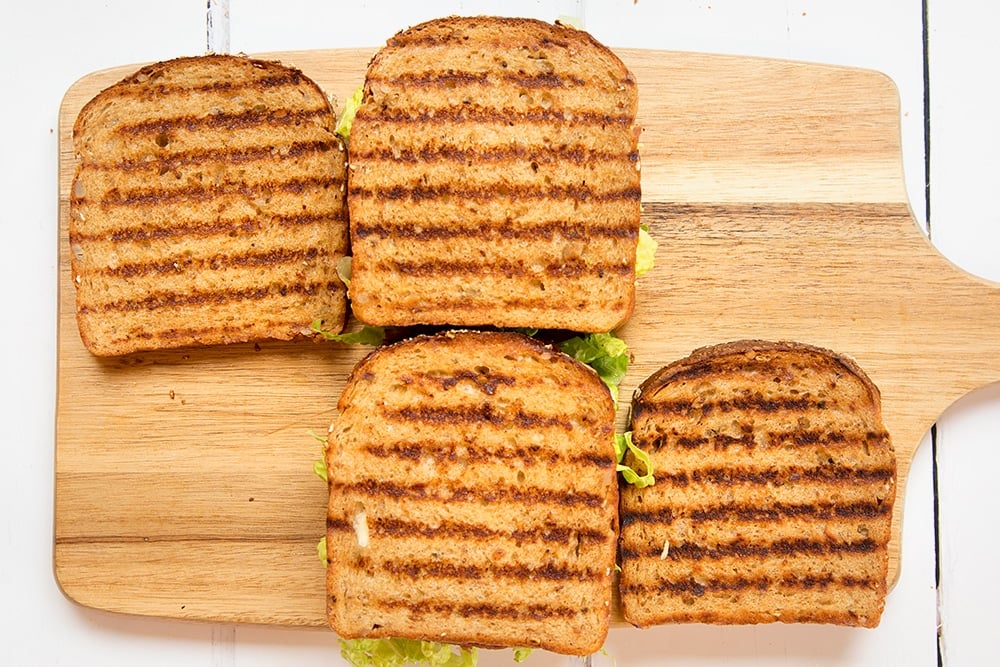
[(183, 479)]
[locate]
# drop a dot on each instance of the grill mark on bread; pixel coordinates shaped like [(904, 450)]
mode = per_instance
[(764, 583), (798, 437), (445, 304), (249, 118), (405, 528), (520, 572), (564, 268), (476, 114), (175, 160), (747, 512), (465, 610), (266, 258), (452, 79), (484, 413), (530, 455), (158, 196), (221, 227), (766, 367), (747, 404), (158, 300), (560, 156), (743, 549), (542, 230), (233, 331), (498, 190), (148, 77), (728, 476), (526, 495)]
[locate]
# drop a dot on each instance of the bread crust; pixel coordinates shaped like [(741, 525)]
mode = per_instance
[(208, 207), (774, 493)]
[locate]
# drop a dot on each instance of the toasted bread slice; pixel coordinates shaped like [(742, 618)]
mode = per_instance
[(473, 497), (775, 481), (495, 179), (208, 207)]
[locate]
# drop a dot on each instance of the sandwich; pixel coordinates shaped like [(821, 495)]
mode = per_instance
[(494, 179), (472, 496), (208, 206), (774, 491)]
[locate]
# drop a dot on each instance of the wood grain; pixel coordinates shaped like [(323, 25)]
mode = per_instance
[(183, 479)]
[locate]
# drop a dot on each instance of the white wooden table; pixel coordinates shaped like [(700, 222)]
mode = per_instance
[(943, 59)]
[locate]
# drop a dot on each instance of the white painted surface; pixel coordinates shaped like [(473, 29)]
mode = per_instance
[(46, 46), (965, 226)]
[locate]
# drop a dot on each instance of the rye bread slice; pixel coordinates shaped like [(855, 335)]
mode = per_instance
[(472, 496), (775, 482), (494, 179), (208, 207)]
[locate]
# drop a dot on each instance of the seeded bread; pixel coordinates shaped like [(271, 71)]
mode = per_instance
[(775, 481), (495, 179), (208, 207), (473, 496)]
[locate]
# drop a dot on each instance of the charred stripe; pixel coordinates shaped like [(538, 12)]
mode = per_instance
[(403, 528), (226, 120), (697, 588), (759, 404), (532, 612), (530, 455), (503, 117), (468, 571), (200, 192), (497, 191), (484, 414), (748, 512), (727, 476), (171, 161), (542, 230), (537, 155), (744, 549), (421, 491), (159, 300), (221, 227), (801, 437), (267, 258), (453, 79), (505, 268)]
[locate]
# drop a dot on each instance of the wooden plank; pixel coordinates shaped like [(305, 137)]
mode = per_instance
[(776, 192)]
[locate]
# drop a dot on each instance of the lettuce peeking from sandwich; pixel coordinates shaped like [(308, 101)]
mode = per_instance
[(623, 445), (645, 251), (343, 129), (604, 352), (398, 652), (366, 335)]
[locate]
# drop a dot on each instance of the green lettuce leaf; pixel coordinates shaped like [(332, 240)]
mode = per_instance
[(344, 270), (521, 654), (623, 445), (645, 251), (324, 557), (398, 652), (319, 466), (605, 353), (366, 335), (346, 119)]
